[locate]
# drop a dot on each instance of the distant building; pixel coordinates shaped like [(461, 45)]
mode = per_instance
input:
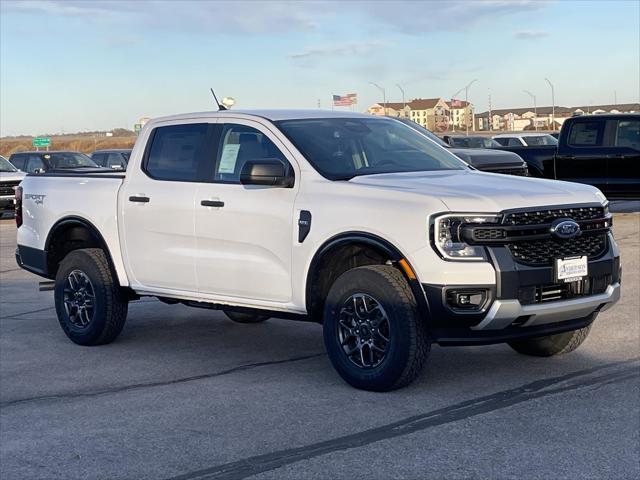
[(460, 115), (518, 119), (390, 109)]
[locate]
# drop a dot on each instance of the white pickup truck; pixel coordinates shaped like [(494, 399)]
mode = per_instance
[(357, 222)]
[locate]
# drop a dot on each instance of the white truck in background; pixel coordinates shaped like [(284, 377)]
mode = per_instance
[(356, 222)]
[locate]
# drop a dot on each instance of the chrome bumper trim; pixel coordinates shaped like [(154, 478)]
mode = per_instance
[(503, 312)]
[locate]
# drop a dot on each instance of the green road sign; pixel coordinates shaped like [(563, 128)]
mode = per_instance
[(41, 142)]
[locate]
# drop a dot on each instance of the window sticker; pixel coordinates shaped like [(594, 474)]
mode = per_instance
[(228, 158)]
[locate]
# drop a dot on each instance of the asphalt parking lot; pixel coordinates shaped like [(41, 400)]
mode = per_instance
[(187, 394)]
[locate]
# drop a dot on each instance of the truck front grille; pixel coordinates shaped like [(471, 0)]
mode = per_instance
[(543, 252), (6, 188), (535, 217)]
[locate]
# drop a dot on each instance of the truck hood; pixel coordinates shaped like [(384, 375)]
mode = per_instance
[(473, 191), (486, 159), (11, 176)]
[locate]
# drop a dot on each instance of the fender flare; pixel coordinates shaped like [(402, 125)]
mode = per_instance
[(378, 243), (73, 220)]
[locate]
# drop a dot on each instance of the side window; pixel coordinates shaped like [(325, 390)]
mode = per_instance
[(177, 151), (115, 161), (514, 142), (239, 143), (98, 158), (34, 163), (628, 134), (586, 134), (18, 161)]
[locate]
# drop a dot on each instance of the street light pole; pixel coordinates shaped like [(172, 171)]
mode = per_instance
[(384, 96), (535, 109), (553, 105), (404, 104), (466, 101)]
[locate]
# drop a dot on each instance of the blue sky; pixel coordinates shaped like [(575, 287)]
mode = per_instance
[(70, 66)]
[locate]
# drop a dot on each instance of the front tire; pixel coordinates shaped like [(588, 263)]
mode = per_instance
[(551, 345), (373, 333), (90, 305)]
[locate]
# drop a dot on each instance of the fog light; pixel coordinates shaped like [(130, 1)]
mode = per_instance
[(469, 300)]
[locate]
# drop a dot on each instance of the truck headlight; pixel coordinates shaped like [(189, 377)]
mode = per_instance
[(448, 239)]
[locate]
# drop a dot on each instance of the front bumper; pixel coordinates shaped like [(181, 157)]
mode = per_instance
[(511, 312)]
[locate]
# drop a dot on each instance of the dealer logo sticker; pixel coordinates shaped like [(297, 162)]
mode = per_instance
[(565, 229)]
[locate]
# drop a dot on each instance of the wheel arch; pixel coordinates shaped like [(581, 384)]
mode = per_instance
[(335, 248), (76, 232)]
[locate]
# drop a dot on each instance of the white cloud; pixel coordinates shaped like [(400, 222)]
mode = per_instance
[(338, 50), (530, 34)]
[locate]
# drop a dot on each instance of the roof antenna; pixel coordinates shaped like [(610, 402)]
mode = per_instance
[(220, 106)]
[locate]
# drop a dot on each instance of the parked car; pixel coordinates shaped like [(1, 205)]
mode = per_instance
[(523, 139), (353, 221), (494, 161), (599, 150), (115, 159), (40, 162), (472, 141), (10, 178)]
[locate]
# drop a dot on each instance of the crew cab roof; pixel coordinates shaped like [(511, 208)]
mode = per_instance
[(273, 115)]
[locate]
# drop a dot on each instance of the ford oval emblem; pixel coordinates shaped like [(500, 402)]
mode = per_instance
[(565, 229)]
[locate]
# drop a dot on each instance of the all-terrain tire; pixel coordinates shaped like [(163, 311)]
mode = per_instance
[(551, 345), (242, 317), (408, 346), (109, 304)]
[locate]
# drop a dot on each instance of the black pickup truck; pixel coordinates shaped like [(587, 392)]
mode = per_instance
[(599, 150)]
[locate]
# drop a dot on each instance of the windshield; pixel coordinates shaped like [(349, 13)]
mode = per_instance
[(474, 142), (69, 160), (420, 129), (6, 167), (536, 140), (343, 148)]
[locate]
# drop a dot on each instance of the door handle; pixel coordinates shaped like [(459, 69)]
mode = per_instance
[(139, 199), (212, 203)]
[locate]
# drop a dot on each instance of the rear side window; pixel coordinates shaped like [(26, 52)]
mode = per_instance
[(628, 134), (177, 151), (116, 161), (586, 134), (514, 142), (501, 141), (99, 158), (34, 164)]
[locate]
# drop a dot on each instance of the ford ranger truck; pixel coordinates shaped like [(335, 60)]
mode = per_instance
[(356, 222)]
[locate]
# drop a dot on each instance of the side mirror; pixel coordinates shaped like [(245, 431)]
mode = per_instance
[(270, 172)]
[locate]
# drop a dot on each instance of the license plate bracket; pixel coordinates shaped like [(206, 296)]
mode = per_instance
[(572, 269)]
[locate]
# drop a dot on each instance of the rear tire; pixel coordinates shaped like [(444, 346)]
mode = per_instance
[(551, 345), (242, 317), (373, 333), (90, 305)]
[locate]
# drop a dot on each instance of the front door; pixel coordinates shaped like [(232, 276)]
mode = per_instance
[(244, 234), (157, 202), (584, 158)]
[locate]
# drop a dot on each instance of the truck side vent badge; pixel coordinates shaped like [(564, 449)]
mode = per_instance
[(304, 225)]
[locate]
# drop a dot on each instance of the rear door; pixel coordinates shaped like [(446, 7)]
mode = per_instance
[(623, 164), (582, 154), (157, 202), (244, 234)]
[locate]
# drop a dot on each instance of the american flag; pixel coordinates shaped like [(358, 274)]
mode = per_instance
[(344, 100)]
